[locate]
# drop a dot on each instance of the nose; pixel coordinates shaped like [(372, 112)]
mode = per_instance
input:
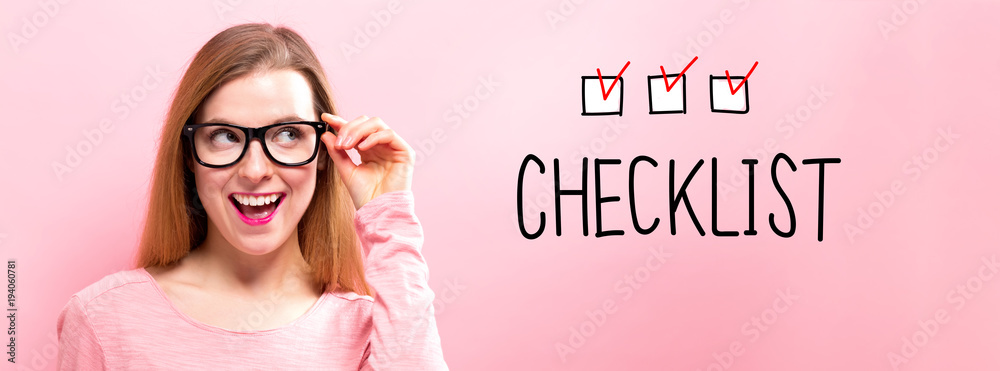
[(255, 165)]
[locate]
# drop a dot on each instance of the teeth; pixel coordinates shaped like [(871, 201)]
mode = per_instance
[(256, 200)]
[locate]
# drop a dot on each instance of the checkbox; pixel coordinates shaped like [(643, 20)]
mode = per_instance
[(594, 103), (725, 100), (662, 101)]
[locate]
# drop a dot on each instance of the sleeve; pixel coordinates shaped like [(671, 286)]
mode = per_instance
[(79, 347), (404, 332)]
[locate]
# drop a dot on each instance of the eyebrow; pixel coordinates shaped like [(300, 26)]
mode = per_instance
[(289, 118)]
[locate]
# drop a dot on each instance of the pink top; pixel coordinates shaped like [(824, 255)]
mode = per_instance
[(125, 321)]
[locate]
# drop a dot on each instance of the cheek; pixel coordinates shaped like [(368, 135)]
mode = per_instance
[(210, 183), (302, 183)]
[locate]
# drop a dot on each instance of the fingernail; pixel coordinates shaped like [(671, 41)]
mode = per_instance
[(340, 140), (347, 141)]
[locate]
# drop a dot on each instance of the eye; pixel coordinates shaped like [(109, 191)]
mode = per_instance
[(286, 134), (224, 136)]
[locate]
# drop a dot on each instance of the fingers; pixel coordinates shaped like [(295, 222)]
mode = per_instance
[(345, 166), (350, 133), (336, 122), (364, 133), (379, 137)]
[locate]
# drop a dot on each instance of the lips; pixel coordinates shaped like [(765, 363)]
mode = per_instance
[(256, 208)]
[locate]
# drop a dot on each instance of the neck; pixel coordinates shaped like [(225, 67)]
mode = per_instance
[(225, 267)]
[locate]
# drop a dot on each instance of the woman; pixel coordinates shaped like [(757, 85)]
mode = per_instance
[(250, 256)]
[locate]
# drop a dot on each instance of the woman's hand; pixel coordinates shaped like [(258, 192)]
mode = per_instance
[(386, 160)]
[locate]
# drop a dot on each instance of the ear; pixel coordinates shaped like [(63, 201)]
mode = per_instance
[(186, 152), (322, 158)]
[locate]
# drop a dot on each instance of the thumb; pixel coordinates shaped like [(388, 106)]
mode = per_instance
[(345, 166)]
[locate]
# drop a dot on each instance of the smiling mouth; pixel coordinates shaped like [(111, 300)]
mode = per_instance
[(256, 209)]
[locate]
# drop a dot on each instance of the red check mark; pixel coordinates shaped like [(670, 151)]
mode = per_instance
[(671, 85), (615, 81), (740, 85)]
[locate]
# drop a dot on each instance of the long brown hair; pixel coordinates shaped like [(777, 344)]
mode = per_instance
[(174, 225)]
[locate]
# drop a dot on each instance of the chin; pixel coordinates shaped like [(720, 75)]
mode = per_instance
[(258, 245)]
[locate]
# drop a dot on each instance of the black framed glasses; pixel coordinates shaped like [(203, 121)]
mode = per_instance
[(286, 143)]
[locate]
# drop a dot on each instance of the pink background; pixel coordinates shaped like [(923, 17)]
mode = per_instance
[(506, 302)]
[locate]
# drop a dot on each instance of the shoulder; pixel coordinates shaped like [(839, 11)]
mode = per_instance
[(88, 309), (100, 317), (344, 296), (346, 307), (111, 285)]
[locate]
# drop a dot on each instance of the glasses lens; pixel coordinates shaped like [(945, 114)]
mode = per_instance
[(218, 144), (221, 145), (292, 143)]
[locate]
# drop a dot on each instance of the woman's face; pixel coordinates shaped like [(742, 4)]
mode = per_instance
[(257, 100)]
